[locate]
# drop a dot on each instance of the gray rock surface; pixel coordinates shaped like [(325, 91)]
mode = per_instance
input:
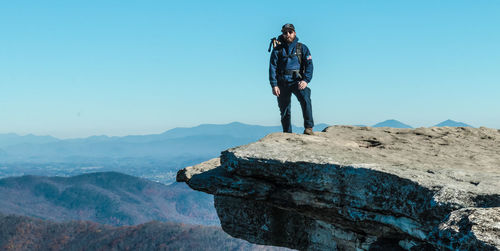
[(360, 188)]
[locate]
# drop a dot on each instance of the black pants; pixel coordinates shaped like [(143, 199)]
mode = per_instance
[(284, 103)]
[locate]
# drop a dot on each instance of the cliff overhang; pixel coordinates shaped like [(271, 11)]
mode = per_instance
[(360, 188)]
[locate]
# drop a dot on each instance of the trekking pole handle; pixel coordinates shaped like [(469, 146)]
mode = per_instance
[(271, 44)]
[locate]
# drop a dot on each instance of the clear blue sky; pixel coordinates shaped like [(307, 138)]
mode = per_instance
[(80, 68)]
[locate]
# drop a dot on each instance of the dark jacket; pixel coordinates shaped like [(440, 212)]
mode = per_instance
[(280, 62)]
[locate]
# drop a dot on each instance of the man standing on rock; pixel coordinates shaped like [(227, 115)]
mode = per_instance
[(290, 71)]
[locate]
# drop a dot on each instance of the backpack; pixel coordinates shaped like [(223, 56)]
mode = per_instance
[(277, 43)]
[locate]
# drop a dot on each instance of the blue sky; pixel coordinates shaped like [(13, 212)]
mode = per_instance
[(80, 68)]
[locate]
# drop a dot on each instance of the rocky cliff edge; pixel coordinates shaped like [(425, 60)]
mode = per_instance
[(360, 188)]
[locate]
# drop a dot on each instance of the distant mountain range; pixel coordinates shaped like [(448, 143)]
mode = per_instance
[(231, 130), (204, 140), (156, 156), (397, 124), (234, 129), (14, 139), (105, 197), (28, 233)]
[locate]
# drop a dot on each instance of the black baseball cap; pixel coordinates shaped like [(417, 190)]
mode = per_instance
[(287, 27)]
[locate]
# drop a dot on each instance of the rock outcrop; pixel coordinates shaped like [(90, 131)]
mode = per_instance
[(360, 188)]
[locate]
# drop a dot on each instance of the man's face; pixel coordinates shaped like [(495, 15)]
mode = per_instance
[(289, 35)]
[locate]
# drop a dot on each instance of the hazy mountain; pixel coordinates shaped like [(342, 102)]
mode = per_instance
[(204, 140), (235, 129), (7, 139), (392, 123), (26, 233), (161, 148), (105, 197), (452, 123), (155, 156)]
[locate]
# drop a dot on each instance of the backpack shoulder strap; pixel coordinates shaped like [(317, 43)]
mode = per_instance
[(298, 50), (280, 48)]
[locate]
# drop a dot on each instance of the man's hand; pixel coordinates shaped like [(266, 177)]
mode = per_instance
[(302, 85), (276, 91)]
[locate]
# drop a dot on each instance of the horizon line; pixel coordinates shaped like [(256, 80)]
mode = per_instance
[(187, 127)]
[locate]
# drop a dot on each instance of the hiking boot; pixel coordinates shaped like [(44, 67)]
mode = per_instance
[(309, 131)]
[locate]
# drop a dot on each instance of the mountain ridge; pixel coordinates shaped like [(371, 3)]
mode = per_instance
[(28, 233), (159, 156), (392, 123), (104, 197), (212, 129), (202, 129), (452, 123)]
